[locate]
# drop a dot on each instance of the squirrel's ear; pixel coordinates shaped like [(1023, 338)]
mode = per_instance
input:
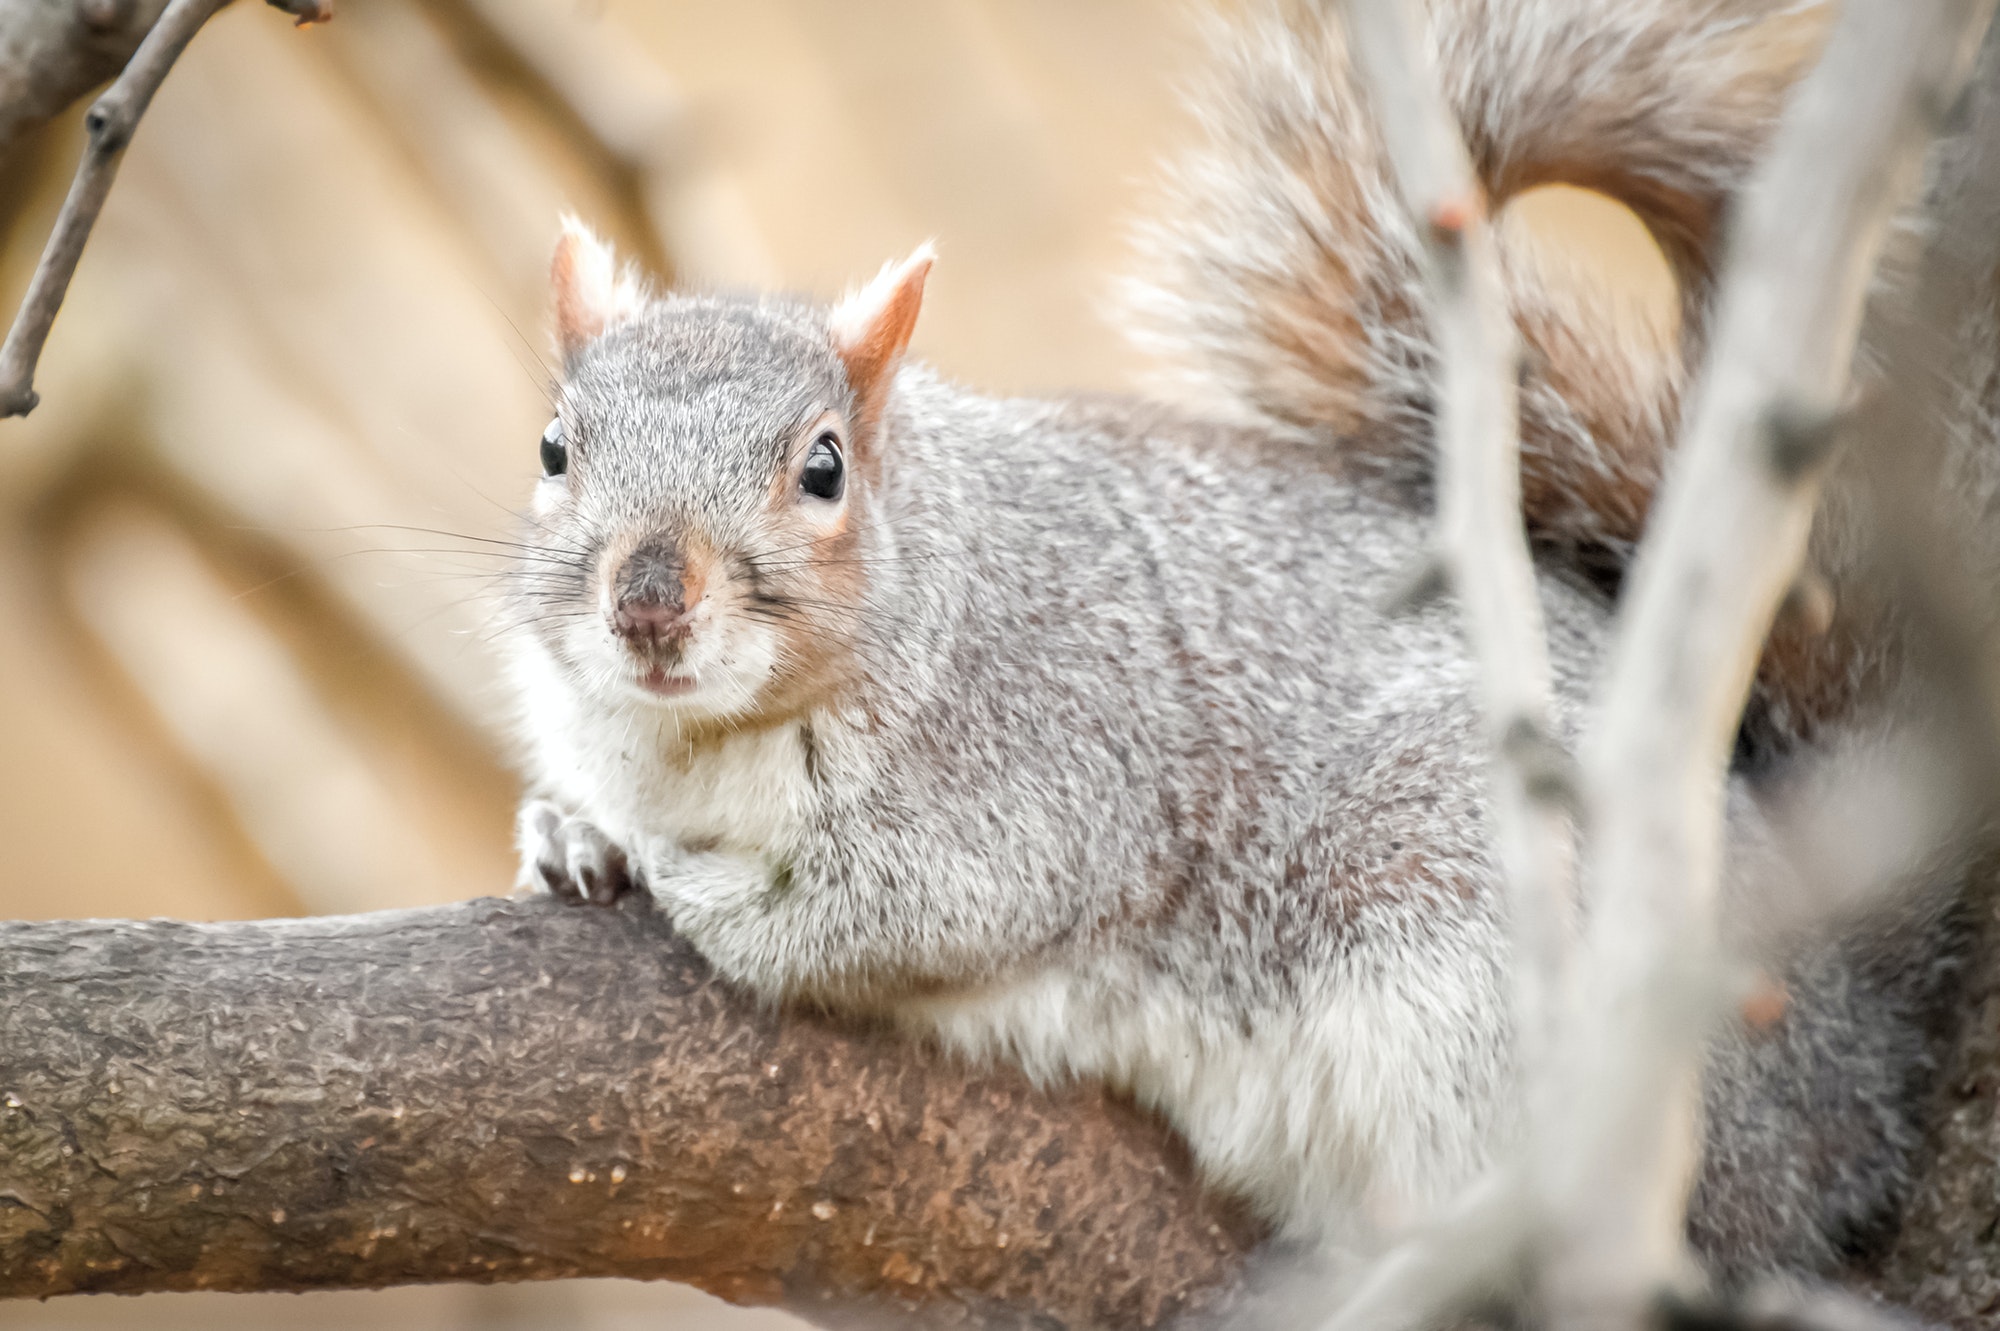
[(591, 294), (870, 327)]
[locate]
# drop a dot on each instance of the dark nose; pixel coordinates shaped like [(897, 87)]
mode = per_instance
[(650, 622), (650, 596)]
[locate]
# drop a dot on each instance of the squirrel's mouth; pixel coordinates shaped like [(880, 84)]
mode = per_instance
[(661, 684)]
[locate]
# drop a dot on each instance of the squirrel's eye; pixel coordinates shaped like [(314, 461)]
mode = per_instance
[(824, 473), (555, 453)]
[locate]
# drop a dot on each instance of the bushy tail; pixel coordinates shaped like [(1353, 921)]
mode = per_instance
[(1281, 280)]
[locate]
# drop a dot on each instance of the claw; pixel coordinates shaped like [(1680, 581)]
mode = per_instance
[(570, 858)]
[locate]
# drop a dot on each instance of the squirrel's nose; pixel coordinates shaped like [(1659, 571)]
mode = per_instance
[(647, 622), (656, 593)]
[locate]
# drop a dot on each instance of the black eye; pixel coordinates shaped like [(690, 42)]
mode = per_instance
[(555, 453), (824, 472)]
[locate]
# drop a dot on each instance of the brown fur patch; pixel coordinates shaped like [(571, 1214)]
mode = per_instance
[(694, 577), (872, 328)]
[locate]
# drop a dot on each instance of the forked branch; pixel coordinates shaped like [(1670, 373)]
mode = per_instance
[(1726, 542), (1591, 1211)]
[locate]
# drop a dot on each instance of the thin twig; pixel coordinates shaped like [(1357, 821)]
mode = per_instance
[(1483, 541), (111, 121), (52, 54), (1728, 539), (1483, 553)]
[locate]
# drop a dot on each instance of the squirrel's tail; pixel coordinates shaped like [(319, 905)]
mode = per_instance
[(1281, 277)]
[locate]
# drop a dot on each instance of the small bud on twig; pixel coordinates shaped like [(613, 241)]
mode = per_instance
[(1425, 583), (1549, 772), (1808, 606), (1799, 437), (104, 15)]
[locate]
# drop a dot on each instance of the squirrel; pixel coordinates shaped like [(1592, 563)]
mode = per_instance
[(1078, 733)]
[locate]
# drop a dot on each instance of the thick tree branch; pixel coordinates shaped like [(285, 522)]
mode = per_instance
[(522, 1090), (111, 122)]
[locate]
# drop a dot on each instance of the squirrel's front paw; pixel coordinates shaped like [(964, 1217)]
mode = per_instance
[(570, 857)]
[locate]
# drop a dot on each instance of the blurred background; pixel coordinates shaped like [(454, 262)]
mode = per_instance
[(294, 396)]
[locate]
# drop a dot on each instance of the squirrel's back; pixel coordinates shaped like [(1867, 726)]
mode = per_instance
[(1229, 802)]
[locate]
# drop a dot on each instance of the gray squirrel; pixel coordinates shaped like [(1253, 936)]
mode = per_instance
[(1078, 733)]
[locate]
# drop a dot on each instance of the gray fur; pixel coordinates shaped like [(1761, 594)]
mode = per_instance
[(1117, 767)]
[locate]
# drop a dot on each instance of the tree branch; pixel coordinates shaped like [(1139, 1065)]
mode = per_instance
[(1726, 542), (1901, 437), (1592, 1213), (1945, 1264), (1483, 539), (111, 122), (1484, 550), (523, 1090)]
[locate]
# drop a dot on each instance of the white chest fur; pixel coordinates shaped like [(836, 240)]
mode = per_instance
[(629, 769)]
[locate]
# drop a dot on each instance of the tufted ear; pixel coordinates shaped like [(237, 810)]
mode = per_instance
[(591, 295), (871, 327)]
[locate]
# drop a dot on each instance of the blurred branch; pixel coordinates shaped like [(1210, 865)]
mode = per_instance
[(1484, 551), (111, 122), (627, 106), (1593, 1216), (1726, 543), (502, 1091), (1484, 541), (1900, 437), (1944, 1263)]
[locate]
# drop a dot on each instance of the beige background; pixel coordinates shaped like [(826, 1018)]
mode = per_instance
[(244, 571)]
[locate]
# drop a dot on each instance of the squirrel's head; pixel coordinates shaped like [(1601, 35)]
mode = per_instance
[(698, 531)]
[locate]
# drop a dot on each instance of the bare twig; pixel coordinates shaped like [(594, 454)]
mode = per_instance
[(1728, 538), (1599, 1196), (1483, 554), (111, 121), (1484, 543)]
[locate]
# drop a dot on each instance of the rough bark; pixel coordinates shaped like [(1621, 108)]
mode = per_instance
[(522, 1090), (54, 51)]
